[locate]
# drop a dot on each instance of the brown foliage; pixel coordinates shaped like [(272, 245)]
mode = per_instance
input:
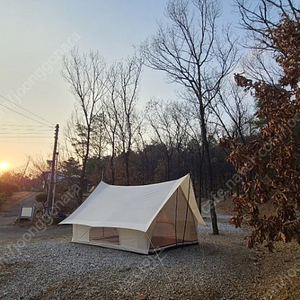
[(270, 164)]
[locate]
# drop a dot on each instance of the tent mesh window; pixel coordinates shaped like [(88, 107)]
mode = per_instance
[(104, 235), (174, 224)]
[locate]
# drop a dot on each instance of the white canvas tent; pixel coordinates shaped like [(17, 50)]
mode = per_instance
[(141, 219)]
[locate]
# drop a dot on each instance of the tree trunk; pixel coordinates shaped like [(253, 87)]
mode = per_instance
[(127, 167), (84, 163), (112, 167), (213, 214)]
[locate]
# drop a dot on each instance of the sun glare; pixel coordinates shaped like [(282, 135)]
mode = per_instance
[(4, 165)]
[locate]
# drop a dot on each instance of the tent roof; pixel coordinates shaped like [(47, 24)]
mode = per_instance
[(131, 207)]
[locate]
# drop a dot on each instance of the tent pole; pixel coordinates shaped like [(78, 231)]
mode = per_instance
[(176, 210), (187, 210)]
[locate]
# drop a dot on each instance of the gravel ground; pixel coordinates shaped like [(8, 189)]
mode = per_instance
[(45, 265)]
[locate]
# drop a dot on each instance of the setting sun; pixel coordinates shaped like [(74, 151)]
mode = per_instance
[(4, 165)]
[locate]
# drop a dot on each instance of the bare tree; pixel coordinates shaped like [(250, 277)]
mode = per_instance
[(169, 123), (142, 141), (75, 134), (191, 53), (233, 113), (159, 118), (259, 19), (110, 124), (38, 165), (120, 110), (99, 141), (86, 75)]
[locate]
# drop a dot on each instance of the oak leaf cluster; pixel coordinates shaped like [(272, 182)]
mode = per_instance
[(270, 163)]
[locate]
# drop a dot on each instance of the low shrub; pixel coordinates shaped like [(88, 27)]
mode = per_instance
[(41, 198), (2, 200)]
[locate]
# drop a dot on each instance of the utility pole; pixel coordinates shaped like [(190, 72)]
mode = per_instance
[(50, 195)]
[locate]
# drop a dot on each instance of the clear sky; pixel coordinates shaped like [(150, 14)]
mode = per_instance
[(35, 34)]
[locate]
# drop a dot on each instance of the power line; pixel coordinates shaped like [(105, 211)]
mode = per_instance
[(26, 130), (33, 141), (24, 115), (26, 110), (27, 137), (21, 133), (16, 125)]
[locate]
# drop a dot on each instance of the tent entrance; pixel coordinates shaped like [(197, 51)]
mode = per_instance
[(104, 235), (175, 224), (163, 234)]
